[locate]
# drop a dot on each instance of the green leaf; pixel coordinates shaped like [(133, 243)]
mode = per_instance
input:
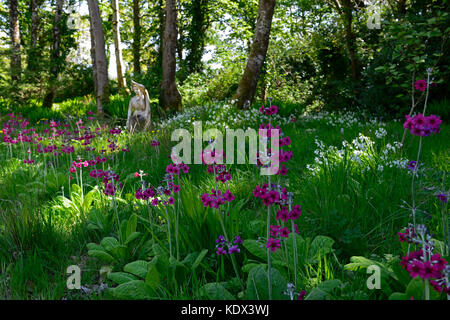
[(131, 226), (215, 291), (415, 289), (323, 290), (152, 279), (199, 259), (359, 262), (94, 246), (250, 266), (132, 237), (399, 296), (109, 243), (121, 277), (132, 290), (320, 247), (101, 255), (138, 268), (401, 274), (257, 284), (258, 249)]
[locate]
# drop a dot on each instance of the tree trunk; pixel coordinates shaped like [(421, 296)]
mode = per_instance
[(136, 37), (196, 36), (101, 66), (55, 63), (14, 34), (350, 39), (94, 65), (249, 81), (118, 50), (401, 7), (170, 97), (33, 53)]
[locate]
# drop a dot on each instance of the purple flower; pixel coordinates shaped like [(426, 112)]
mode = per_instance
[(237, 240), (234, 249), (221, 251), (442, 197), (220, 239), (412, 165)]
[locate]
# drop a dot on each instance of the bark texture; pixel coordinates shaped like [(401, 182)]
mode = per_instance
[(258, 51), (170, 98), (33, 55), (350, 39), (117, 45), (100, 61), (55, 64), (14, 35), (136, 37)]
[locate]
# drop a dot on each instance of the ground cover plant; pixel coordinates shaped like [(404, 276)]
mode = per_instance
[(346, 101)]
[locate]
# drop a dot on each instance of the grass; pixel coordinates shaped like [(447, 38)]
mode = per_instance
[(360, 210)]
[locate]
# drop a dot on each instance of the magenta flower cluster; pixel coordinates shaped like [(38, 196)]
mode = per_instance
[(175, 169), (422, 126), (216, 198), (220, 172), (427, 270), (268, 111)]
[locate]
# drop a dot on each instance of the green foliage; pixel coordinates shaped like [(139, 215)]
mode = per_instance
[(257, 284)]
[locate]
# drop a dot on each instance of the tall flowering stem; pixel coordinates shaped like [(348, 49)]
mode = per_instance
[(268, 251)]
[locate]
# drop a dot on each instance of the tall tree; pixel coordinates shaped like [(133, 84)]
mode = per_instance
[(136, 37), (33, 52), (14, 34), (195, 42), (99, 52), (55, 62), (258, 51), (117, 44), (170, 97), (345, 9)]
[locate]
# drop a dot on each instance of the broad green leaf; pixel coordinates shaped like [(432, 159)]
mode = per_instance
[(94, 246), (416, 289), (101, 255), (259, 250), (132, 290), (121, 277), (109, 243), (319, 247), (257, 284), (323, 290), (399, 296), (138, 268), (215, 291), (132, 237), (152, 279)]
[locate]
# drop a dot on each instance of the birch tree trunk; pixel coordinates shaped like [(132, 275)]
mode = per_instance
[(258, 51), (118, 50), (14, 34), (101, 67), (170, 97), (136, 37), (55, 64)]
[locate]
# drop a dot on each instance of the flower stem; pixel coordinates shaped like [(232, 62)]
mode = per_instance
[(269, 277)]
